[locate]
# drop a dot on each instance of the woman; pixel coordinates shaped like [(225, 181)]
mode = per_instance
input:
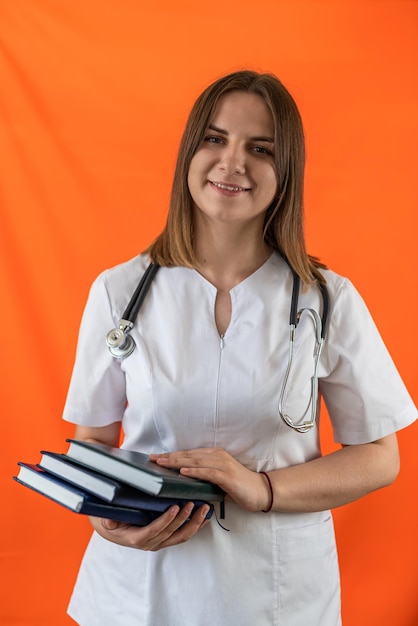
[(201, 390)]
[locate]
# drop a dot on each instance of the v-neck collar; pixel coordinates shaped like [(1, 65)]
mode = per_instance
[(243, 283)]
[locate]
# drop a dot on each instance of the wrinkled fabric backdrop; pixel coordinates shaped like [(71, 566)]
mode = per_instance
[(93, 99)]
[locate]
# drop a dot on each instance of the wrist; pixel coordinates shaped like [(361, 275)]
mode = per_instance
[(270, 495)]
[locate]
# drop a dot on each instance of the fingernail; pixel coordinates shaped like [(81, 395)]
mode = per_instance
[(189, 507)]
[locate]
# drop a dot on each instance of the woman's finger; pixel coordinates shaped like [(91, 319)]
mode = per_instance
[(185, 531)]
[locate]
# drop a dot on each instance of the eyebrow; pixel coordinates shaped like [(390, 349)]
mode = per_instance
[(225, 132)]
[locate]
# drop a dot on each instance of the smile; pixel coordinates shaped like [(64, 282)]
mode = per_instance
[(228, 187)]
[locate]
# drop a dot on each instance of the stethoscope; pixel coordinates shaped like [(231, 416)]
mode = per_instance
[(121, 343)]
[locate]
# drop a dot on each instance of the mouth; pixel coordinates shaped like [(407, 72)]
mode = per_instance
[(231, 188)]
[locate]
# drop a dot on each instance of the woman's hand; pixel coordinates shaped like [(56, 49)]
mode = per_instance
[(247, 489), (168, 530)]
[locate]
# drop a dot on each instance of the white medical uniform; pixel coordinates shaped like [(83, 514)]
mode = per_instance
[(185, 387)]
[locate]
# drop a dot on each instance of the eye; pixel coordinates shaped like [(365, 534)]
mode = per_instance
[(262, 150), (215, 139)]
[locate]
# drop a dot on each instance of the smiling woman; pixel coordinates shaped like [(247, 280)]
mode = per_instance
[(200, 393)]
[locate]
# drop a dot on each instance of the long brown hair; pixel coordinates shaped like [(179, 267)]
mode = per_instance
[(283, 224)]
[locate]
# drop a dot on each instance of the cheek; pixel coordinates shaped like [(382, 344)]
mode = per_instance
[(194, 179), (195, 169), (270, 184), (200, 166)]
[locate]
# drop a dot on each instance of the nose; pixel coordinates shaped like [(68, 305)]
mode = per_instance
[(233, 159)]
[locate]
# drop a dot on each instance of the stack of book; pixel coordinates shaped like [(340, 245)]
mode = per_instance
[(102, 481)]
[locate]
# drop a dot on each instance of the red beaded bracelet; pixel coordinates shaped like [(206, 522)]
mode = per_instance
[(271, 492)]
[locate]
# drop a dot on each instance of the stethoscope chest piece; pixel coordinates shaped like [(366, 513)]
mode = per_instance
[(119, 342)]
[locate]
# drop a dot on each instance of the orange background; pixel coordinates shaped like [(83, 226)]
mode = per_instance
[(93, 98)]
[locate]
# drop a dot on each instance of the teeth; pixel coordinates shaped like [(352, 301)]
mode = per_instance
[(228, 187)]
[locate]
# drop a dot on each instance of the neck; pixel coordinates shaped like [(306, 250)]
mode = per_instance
[(226, 257)]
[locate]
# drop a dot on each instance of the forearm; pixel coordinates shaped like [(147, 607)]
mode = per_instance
[(109, 434), (335, 479)]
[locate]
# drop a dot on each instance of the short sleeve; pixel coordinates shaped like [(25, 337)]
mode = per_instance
[(96, 395), (362, 389)]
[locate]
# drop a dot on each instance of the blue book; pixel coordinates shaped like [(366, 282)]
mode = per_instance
[(133, 507)]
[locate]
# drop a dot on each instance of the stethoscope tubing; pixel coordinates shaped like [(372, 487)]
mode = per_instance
[(131, 312)]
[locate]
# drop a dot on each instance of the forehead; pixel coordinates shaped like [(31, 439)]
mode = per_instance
[(241, 107)]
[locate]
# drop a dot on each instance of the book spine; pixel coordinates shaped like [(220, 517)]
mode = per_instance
[(189, 493)]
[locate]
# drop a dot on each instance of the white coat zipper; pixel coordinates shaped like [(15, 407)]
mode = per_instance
[(221, 347)]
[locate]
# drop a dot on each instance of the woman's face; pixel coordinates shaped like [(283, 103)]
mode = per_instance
[(232, 176)]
